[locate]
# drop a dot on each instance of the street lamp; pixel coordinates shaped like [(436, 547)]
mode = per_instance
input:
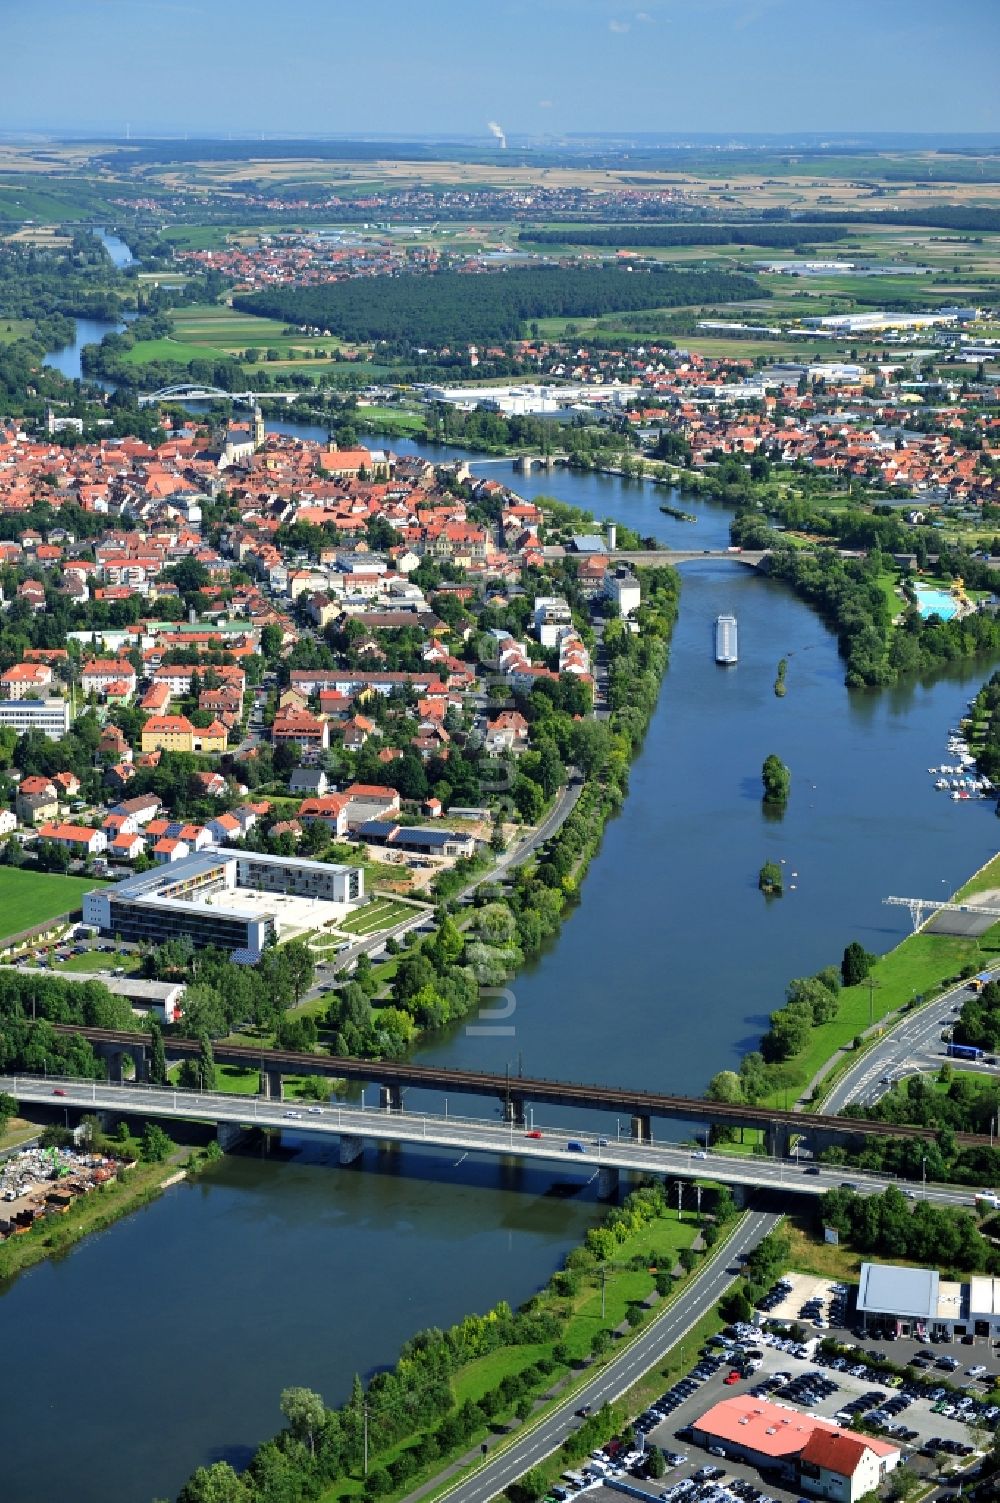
[(923, 1173)]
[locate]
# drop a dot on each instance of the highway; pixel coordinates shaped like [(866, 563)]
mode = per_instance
[(913, 1044), (492, 1475), (465, 1135)]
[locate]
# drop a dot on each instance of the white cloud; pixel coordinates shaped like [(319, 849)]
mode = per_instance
[(619, 27), (545, 104), (644, 17)]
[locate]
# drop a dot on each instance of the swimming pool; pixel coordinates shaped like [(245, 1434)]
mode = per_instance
[(932, 602)]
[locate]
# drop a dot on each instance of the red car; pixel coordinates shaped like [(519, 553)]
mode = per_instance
[(734, 1377), (534, 1133), (58, 1091)]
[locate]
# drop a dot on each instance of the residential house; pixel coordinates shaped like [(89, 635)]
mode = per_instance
[(79, 840)]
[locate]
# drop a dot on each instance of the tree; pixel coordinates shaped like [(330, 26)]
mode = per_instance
[(204, 1012), (306, 1414), (856, 964), (271, 639), (725, 1086), (301, 966), (777, 780), (529, 1487), (214, 1484), (157, 1057), (8, 1109), (198, 1074), (155, 1144), (657, 1465)]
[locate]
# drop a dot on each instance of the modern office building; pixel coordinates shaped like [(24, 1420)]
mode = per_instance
[(236, 900), (50, 716)]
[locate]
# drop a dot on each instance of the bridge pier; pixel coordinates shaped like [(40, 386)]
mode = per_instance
[(778, 1139), (351, 1148), (271, 1085), (642, 1127), (390, 1098), (608, 1180), (140, 1058), (116, 1068), (513, 1110), (228, 1134)]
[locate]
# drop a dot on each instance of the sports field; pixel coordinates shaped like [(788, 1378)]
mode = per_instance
[(29, 898)]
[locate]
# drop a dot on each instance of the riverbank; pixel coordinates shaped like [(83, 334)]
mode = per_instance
[(54, 1236), (921, 966), (468, 1385)]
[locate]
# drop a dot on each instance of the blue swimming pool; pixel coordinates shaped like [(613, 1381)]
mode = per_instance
[(932, 602)]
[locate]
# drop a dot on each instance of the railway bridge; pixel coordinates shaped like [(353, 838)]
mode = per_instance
[(517, 1095)]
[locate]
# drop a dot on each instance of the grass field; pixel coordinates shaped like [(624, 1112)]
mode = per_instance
[(380, 913), (93, 960), (29, 898), (14, 328)]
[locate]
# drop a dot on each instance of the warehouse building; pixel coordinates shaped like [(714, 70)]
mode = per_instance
[(239, 901)]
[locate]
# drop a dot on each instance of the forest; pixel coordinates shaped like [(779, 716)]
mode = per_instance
[(780, 236), (76, 280), (453, 306)]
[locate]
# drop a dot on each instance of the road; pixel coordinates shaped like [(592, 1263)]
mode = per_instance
[(912, 1044), (562, 807), (649, 1348), (463, 1135)]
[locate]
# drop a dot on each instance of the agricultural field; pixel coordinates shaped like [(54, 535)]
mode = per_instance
[(28, 898), (212, 331)]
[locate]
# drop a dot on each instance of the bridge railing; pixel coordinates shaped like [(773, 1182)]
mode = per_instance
[(237, 1106)]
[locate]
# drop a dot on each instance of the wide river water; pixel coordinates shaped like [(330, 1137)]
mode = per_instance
[(164, 1342)]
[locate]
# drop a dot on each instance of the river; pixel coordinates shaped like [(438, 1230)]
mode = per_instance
[(185, 1321), (92, 330)]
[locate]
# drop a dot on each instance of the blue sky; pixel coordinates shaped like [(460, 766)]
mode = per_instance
[(332, 66)]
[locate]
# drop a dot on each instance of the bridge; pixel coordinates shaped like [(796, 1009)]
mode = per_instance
[(597, 1158), (190, 391), (516, 1094), (749, 558)]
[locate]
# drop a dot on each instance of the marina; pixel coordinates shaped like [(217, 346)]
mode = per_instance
[(958, 776)]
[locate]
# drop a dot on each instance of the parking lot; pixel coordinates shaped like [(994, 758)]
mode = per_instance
[(935, 1426)]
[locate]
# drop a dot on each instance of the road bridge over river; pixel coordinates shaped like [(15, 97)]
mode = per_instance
[(516, 1094), (594, 1157), (192, 391), (749, 558)]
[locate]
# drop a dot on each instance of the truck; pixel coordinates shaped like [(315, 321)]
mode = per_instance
[(964, 1051), (987, 1200)]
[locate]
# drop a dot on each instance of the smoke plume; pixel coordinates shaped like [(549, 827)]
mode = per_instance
[(500, 134)]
